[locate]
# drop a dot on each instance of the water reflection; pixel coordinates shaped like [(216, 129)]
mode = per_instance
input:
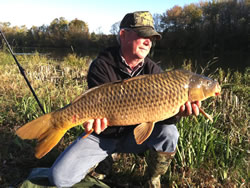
[(235, 60)]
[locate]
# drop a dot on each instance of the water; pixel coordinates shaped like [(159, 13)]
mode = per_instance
[(234, 60), (227, 60)]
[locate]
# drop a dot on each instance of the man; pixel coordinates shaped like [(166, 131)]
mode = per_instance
[(127, 60)]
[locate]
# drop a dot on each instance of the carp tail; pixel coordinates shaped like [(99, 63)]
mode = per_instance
[(44, 131)]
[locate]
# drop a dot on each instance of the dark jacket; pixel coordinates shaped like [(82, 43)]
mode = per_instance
[(108, 67)]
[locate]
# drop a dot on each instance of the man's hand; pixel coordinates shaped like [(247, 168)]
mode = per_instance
[(98, 125), (190, 108)]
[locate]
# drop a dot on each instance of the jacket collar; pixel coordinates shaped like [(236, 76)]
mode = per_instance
[(112, 56)]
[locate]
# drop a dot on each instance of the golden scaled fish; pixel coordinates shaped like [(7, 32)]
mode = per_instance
[(141, 100)]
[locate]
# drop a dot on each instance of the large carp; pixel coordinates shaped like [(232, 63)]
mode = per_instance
[(141, 100)]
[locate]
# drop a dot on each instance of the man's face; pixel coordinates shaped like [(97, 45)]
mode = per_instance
[(135, 46)]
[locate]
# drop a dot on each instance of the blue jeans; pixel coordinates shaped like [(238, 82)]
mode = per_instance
[(73, 164)]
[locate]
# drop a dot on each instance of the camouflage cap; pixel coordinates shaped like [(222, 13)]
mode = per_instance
[(141, 22)]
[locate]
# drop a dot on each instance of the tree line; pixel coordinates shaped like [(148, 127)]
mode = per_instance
[(216, 25), (206, 26)]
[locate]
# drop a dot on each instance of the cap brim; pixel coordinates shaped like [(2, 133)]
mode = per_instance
[(147, 32)]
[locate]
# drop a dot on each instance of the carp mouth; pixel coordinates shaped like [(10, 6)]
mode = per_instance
[(217, 93), (218, 89)]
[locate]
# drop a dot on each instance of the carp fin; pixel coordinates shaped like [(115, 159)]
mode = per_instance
[(44, 131), (35, 128), (206, 115), (143, 131), (84, 93), (111, 83), (48, 141)]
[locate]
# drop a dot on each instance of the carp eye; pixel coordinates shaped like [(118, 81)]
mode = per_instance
[(209, 82)]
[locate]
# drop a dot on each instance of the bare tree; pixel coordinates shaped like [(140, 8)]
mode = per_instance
[(157, 22), (115, 28)]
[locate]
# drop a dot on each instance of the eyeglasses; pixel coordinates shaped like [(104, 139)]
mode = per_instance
[(152, 38)]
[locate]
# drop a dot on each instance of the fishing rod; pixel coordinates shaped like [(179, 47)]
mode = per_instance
[(22, 71)]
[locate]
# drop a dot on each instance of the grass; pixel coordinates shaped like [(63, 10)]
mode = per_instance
[(208, 154)]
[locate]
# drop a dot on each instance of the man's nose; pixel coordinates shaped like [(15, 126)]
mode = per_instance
[(147, 41)]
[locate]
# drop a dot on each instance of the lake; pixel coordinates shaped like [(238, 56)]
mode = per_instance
[(234, 60)]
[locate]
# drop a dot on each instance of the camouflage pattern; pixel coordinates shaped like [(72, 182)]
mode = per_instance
[(141, 22), (158, 163), (143, 19), (137, 19)]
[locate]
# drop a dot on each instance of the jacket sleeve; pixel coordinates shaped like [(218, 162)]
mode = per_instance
[(97, 74)]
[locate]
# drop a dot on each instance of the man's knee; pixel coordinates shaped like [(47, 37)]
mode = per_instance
[(165, 138), (54, 178), (58, 179), (171, 132)]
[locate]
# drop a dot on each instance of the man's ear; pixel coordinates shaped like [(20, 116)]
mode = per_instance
[(122, 33)]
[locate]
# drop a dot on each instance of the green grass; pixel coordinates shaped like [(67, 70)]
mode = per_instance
[(208, 154)]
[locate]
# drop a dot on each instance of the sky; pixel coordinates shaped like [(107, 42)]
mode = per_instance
[(100, 15)]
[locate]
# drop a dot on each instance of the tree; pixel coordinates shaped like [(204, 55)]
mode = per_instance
[(57, 31), (191, 16), (157, 22), (172, 18), (78, 26), (115, 28), (78, 34)]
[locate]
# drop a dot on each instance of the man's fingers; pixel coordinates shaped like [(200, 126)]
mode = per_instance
[(195, 109), (104, 124), (188, 108), (88, 125), (97, 126), (182, 108), (198, 103)]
